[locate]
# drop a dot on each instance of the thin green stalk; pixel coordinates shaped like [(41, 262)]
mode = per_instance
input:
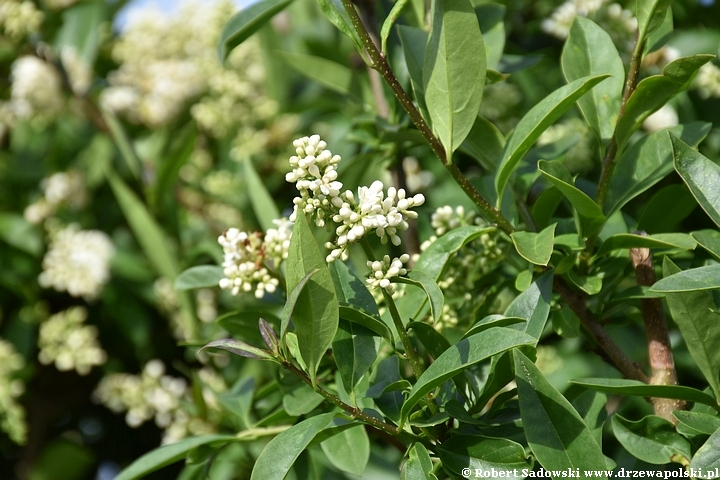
[(380, 64)]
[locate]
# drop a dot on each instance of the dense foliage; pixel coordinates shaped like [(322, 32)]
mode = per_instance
[(331, 239)]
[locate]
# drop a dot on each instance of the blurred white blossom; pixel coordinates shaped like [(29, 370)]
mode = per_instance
[(12, 414), (65, 340), (19, 18), (707, 81), (62, 188), (78, 261), (614, 19), (36, 89), (663, 118)]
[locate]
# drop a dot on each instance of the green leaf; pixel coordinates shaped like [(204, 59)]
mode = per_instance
[(591, 216), (262, 202), (485, 454), (355, 349), (199, 276), (20, 233), (565, 323), (148, 232), (546, 205), (693, 280), (454, 72), (238, 399), (536, 121), (494, 321), (695, 315), (327, 73), (589, 50), (413, 42), (373, 323), (420, 279), (709, 240), (701, 175), (655, 91), (650, 15), (316, 312), (432, 340), (589, 284), (292, 300), (555, 432), (533, 305), (707, 457), (621, 386), (648, 161), (490, 17), (591, 406), (388, 23), (418, 466), (666, 209), (246, 22), (534, 247), (460, 356), (351, 289), (485, 143), (280, 453), (81, 30), (240, 348), (335, 12), (169, 454), (349, 450), (652, 439), (697, 422), (623, 241), (298, 398)]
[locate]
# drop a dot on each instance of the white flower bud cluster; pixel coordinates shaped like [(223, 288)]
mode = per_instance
[(153, 395), (78, 261), (19, 18), (62, 188), (36, 90), (315, 176), (245, 256), (65, 340), (12, 414), (382, 271), (415, 177), (707, 81)]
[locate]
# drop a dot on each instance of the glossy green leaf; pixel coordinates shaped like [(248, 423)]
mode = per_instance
[(81, 30), (298, 398), (413, 42), (388, 23), (589, 50), (355, 349), (169, 454), (590, 405), (238, 399), (349, 450), (661, 35), (533, 305), (709, 240), (432, 340), (420, 279), (648, 161), (652, 439), (667, 209), (262, 202), (491, 19), (335, 12), (621, 386), (199, 276), (316, 312), (565, 323), (238, 347), (655, 91), (695, 315), (484, 454), (244, 323), (460, 356), (535, 247), (693, 280), (591, 216), (536, 121), (701, 175), (494, 321), (590, 284), (650, 15), (418, 465), (484, 143), (571, 241), (373, 323), (556, 433), (454, 72), (545, 206), (707, 457), (292, 299), (246, 22), (328, 73), (697, 422), (624, 241), (280, 453)]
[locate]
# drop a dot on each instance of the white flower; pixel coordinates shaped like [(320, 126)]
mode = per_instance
[(708, 81), (63, 188), (36, 88), (19, 19), (382, 271), (663, 118), (71, 345), (78, 262)]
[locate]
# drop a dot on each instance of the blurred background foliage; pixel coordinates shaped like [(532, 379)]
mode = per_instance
[(126, 149)]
